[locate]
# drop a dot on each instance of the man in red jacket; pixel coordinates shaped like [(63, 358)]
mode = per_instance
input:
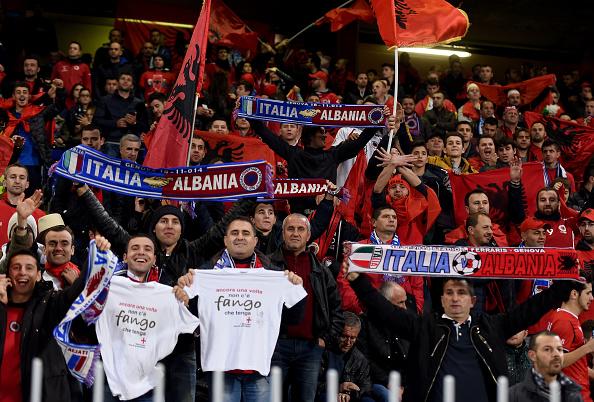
[(72, 70)]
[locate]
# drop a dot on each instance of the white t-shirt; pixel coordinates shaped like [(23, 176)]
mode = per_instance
[(138, 327), (345, 167), (240, 314)]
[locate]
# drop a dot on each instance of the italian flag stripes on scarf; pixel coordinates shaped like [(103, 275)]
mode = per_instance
[(81, 359), (222, 182)]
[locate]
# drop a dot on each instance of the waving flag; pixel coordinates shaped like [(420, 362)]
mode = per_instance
[(169, 146), (575, 140), (341, 17), (406, 23), (227, 29), (535, 93)]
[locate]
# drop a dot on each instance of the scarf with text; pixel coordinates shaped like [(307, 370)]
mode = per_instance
[(311, 114), (395, 242), (222, 182), (414, 124), (81, 359), (475, 262)]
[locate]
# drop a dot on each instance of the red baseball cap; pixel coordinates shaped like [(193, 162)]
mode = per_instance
[(534, 224), (587, 214), (321, 75)]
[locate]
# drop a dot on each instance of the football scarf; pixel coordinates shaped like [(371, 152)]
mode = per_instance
[(226, 261), (222, 182), (81, 359), (475, 262), (311, 114)]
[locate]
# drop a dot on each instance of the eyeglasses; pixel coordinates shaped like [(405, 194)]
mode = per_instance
[(348, 338)]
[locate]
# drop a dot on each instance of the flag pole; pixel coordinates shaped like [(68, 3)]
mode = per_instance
[(395, 94), (196, 99), (314, 23)]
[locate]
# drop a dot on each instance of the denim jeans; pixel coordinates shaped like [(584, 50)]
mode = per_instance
[(111, 149), (381, 393), (244, 387), (302, 358), (180, 377)]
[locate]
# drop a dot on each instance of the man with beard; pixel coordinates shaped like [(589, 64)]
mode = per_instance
[(319, 83), (546, 352), (537, 136), (418, 126), (585, 247), (486, 153), (578, 199), (563, 221), (566, 324), (551, 166)]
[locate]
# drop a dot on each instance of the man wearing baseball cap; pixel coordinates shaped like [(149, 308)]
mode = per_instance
[(511, 117), (319, 82)]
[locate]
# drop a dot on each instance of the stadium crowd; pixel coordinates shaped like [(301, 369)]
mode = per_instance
[(364, 326)]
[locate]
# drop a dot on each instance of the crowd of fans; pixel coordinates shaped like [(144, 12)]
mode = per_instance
[(364, 326)]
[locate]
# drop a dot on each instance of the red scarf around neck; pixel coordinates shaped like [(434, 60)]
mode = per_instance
[(56, 271), (28, 112)]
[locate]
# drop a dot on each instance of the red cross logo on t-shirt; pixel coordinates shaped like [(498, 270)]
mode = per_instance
[(249, 319), (143, 341)]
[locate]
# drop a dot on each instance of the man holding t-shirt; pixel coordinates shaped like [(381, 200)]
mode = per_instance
[(240, 323)]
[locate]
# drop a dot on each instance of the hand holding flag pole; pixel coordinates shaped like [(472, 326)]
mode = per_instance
[(395, 94)]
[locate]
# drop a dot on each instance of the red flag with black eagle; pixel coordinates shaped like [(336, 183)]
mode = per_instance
[(535, 93), (169, 146), (575, 140), (405, 23), (341, 17), (496, 184)]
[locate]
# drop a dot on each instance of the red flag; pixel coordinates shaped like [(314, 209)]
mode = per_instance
[(341, 17), (535, 92), (235, 148), (169, 147), (495, 184), (355, 184), (405, 23), (576, 141), (226, 29)]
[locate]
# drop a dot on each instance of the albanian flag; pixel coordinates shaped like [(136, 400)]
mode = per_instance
[(235, 148), (496, 184), (576, 141), (341, 17), (169, 146), (227, 29), (535, 93), (406, 23)]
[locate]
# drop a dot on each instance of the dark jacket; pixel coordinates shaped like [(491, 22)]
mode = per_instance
[(319, 224), (310, 162), (518, 363), (356, 370), (111, 108), (110, 70), (578, 199), (184, 256), (37, 126), (44, 310), (429, 335), (385, 351), (441, 121), (328, 320), (527, 391)]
